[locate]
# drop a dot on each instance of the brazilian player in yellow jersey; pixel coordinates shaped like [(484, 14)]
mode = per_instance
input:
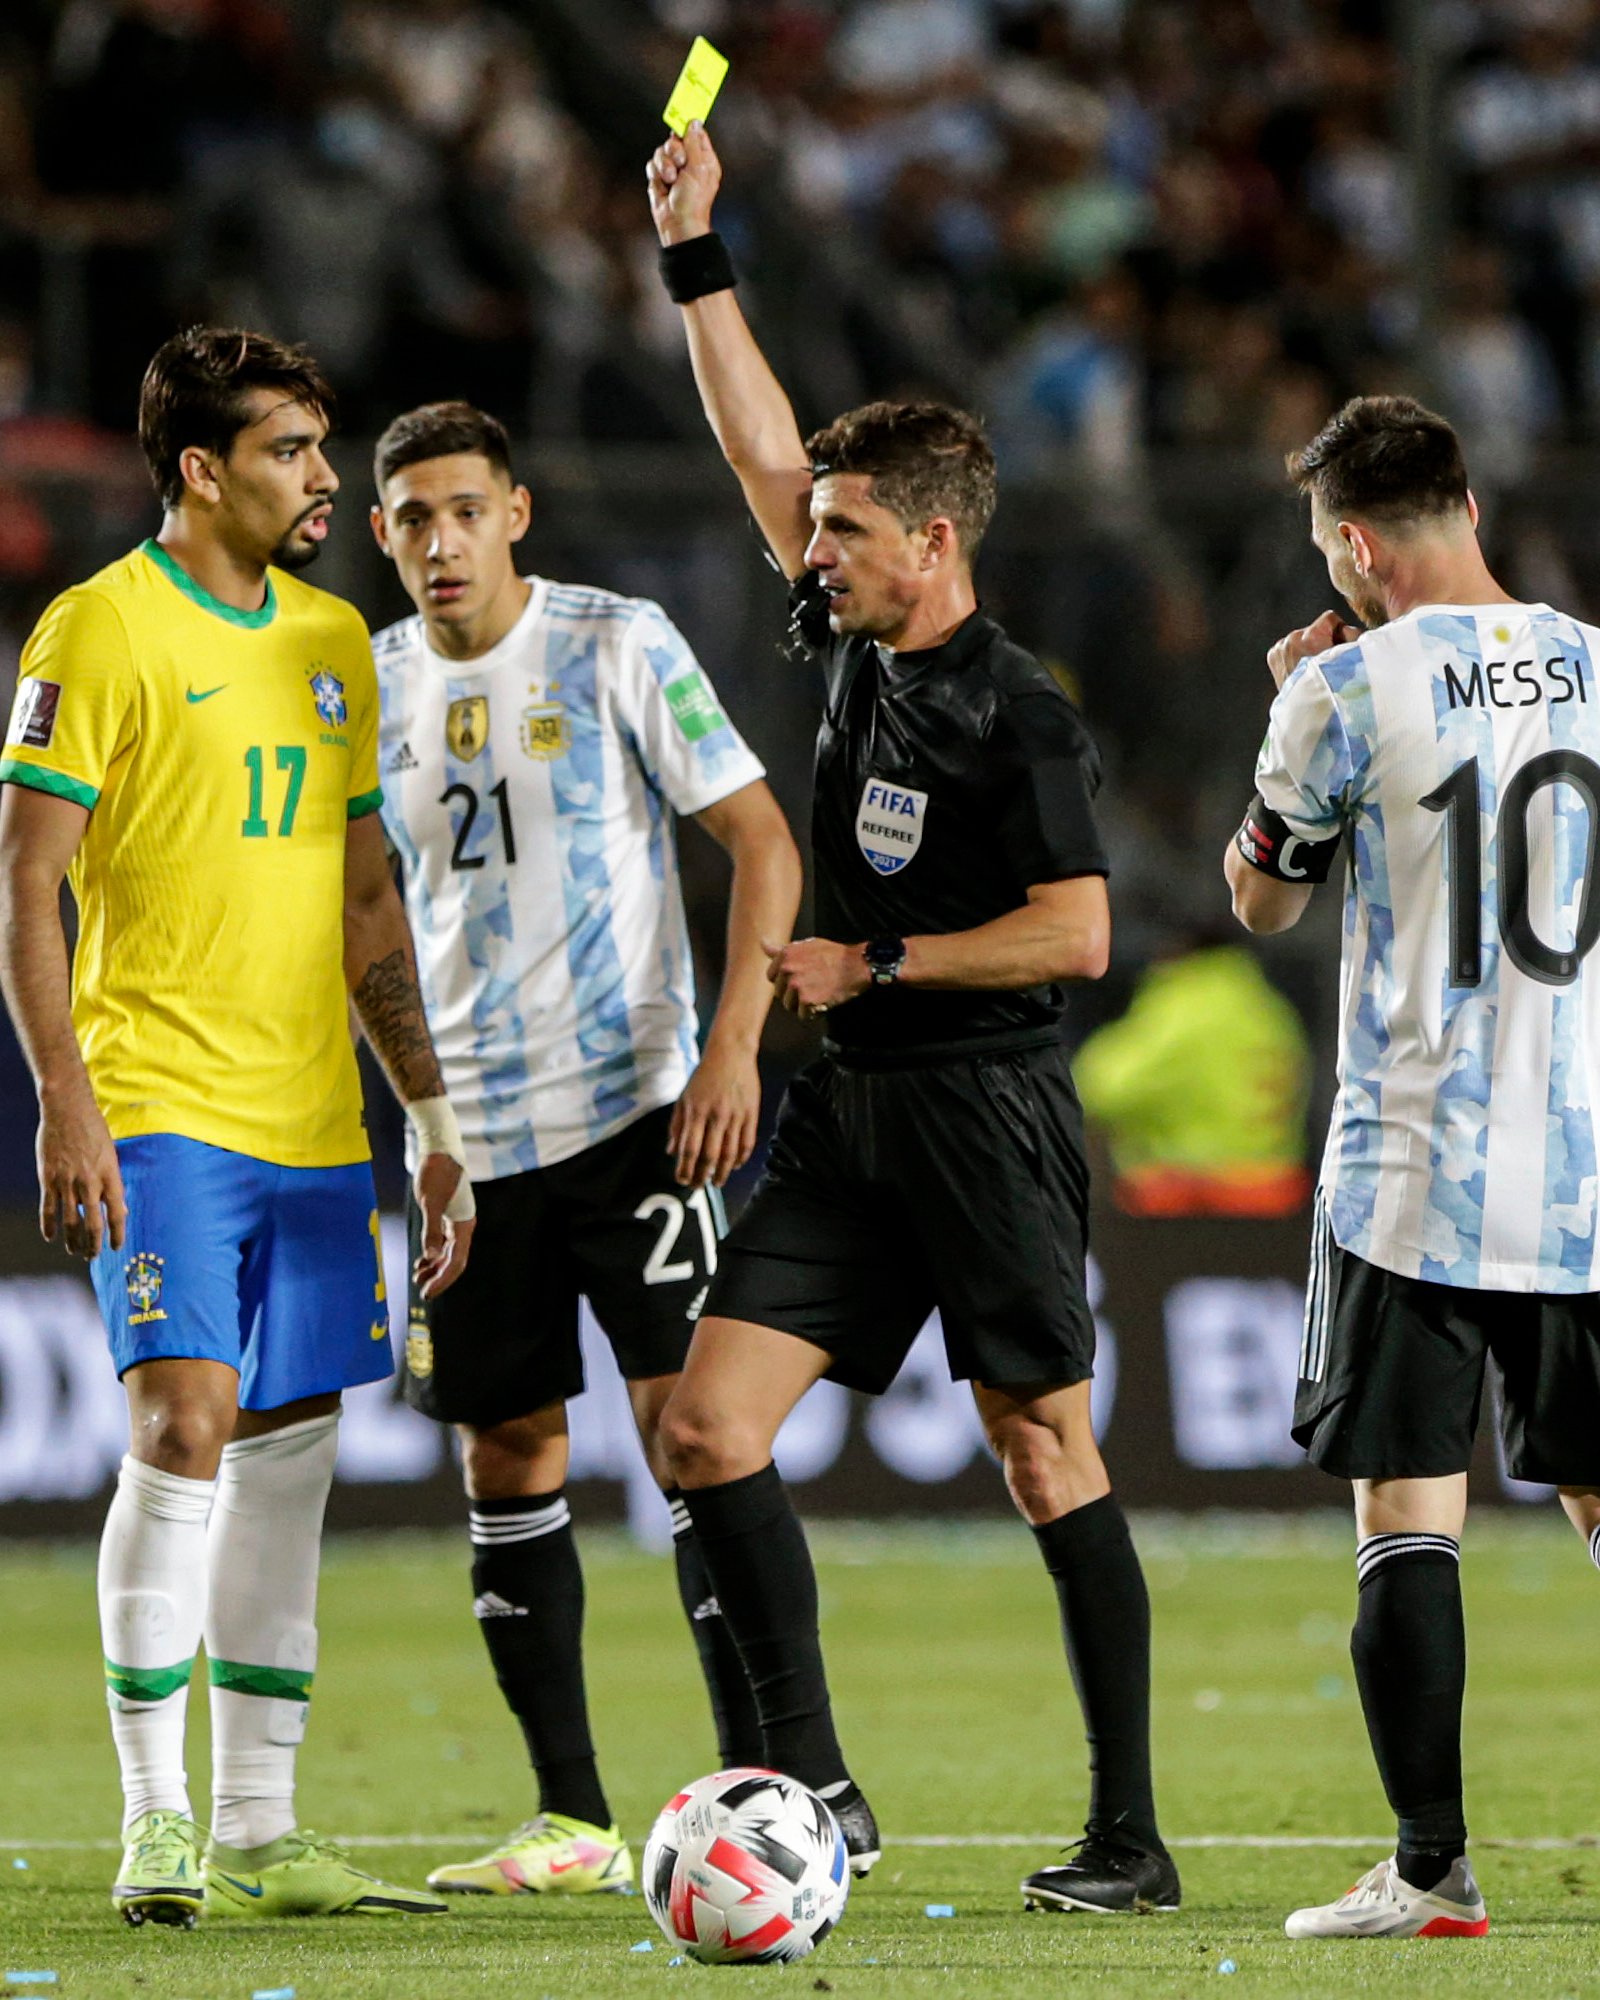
[(193, 747)]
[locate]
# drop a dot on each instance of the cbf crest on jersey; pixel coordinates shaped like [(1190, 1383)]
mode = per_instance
[(327, 691), (146, 1275), (544, 731), (889, 825), (466, 726)]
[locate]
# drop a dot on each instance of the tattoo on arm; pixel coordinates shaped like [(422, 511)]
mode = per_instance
[(390, 1007)]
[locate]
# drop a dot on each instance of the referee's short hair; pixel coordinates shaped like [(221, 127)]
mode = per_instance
[(924, 460), (1383, 458), (440, 430), (196, 392)]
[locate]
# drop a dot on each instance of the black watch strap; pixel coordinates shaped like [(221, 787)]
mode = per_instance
[(885, 956)]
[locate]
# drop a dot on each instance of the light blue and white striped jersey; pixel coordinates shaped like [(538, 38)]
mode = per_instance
[(529, 793), (1460, 749)]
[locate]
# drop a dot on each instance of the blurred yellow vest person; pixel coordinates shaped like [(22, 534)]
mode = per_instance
[(220, 755)]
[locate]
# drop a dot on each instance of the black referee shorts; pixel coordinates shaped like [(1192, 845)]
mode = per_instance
[(887, 1192), (1392, 1373), (610, 1224)]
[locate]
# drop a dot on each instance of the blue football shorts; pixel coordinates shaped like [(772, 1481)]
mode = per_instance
[(273, 1270)]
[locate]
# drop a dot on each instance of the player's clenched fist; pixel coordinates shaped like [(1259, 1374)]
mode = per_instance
[(683, 177), (1328, 630)]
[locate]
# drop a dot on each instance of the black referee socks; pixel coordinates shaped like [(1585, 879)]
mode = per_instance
[(733, 1703), (527, 1590), (760, 1568), (1105, 1621), (1409, 1647)]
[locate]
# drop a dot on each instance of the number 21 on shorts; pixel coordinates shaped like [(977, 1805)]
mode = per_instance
[(661, 1267)]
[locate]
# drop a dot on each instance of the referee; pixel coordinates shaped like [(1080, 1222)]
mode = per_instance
[(934, 1156)]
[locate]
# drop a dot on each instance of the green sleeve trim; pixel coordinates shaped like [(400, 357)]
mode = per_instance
[(37, 779), (252, 621), (147, 1683), (271, 1683), (364, 803)]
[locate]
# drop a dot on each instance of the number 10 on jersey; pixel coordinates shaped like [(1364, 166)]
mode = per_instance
[(1458, 798)]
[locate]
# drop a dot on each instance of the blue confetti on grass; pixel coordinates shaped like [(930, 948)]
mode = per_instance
[(1227, 1965), (273, 1993), (644, 1944), (19, 1862), (939, 1910), (32, 1978)]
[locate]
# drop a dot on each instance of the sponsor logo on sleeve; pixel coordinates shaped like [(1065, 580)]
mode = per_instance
[(889, 825), (694, 706), (33, 714)]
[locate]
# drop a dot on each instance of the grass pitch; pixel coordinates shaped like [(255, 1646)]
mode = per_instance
[(961, 1725)]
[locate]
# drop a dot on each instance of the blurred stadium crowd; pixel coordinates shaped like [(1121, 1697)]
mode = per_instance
[(1154, 240)]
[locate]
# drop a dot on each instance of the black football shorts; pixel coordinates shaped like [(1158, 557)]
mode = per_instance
[(1392, 1373), (887, 1192), (611, 1225)]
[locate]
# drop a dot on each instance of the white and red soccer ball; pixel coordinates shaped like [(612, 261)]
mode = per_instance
[(746, 1868)]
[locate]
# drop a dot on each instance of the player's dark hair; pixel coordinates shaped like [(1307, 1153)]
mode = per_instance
[(1383, 458), (924, 460), (440, 430), (196, 392)]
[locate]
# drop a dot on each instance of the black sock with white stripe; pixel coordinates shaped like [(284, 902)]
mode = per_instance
[(1594, 1548), (527, 1593), (1409, 1647), (733, 1703), (756, 1556)]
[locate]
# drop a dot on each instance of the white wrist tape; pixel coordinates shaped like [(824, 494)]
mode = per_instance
[(437, 1130)]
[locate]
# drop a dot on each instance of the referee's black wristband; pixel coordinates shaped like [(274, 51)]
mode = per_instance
[(692, 269)]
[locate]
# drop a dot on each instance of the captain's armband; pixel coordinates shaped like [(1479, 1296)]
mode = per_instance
[(1266, 843)]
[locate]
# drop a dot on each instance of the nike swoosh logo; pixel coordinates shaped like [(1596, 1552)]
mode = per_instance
[(234, 1882), (561, 1867), (206, 696)]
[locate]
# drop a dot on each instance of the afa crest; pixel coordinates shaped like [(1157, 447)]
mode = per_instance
[(544, 731), (146, 1275), (327, 691), (466, 726)]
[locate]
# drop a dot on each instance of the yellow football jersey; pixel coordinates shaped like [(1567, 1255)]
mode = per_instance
[(220, 754)]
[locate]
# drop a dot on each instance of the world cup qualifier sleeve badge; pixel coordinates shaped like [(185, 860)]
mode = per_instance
[(145, 1278), (889, 823)]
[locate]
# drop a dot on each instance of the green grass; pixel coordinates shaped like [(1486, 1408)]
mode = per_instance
[(960, 1722)]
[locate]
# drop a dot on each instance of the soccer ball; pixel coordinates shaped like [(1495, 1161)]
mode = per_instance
[(746, 1868)]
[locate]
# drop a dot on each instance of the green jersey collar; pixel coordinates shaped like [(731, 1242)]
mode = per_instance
[(252, 621)]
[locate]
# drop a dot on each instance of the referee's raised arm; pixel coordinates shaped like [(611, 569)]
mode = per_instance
[(745, 404)]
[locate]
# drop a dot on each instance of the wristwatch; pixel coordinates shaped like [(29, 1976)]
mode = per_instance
[(885, 956)]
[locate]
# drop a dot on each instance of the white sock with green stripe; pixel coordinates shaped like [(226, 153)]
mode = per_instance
[(261, 1632), (152, 1587)]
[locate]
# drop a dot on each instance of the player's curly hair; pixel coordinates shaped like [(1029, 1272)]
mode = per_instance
[(1383, 458), (196, 388), (440, 430), (924, 460)]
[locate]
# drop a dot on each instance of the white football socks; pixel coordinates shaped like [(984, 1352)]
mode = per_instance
[(152, 1587), (260, 1627)]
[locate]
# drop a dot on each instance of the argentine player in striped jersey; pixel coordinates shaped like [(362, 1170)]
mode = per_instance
[(537, 740), (1453, 747), (194, 743)]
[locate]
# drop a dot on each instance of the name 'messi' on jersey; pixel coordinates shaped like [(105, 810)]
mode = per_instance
[(529, 794), (1458, 748)]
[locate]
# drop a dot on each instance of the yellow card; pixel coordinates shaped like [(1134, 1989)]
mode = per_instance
[(695, 91)]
